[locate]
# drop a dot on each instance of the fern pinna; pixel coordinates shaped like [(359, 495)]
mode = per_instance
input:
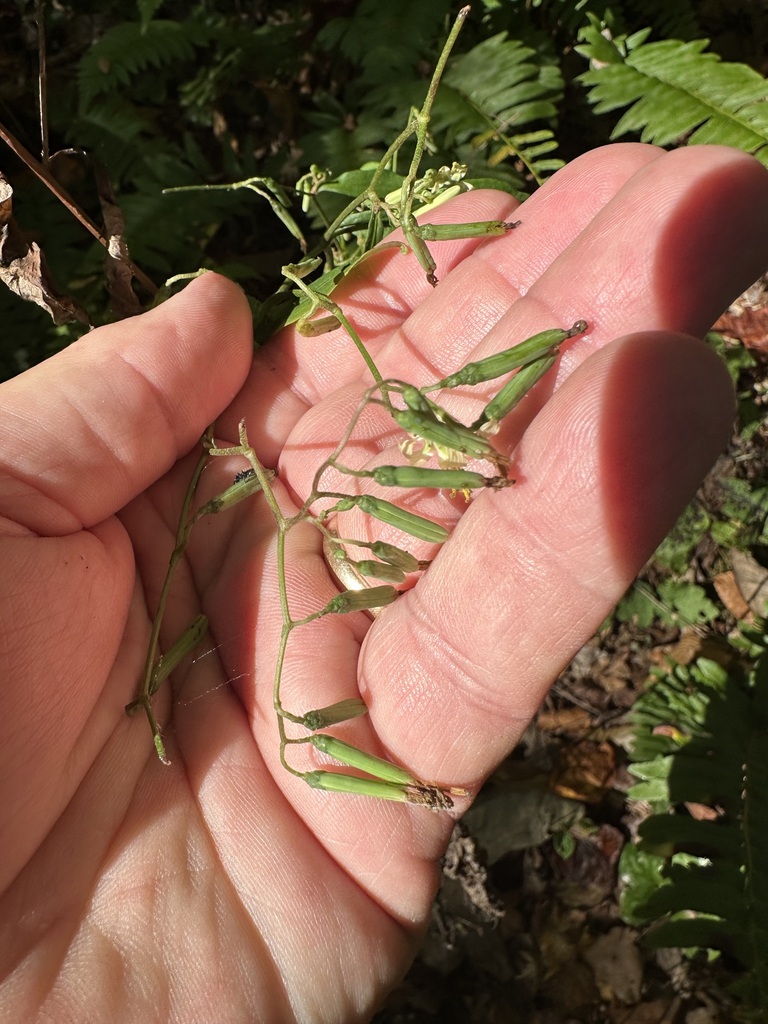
[(700, 745), (675, 91)]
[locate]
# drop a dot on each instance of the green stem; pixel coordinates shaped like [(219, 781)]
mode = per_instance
[(370, 194), (423, 117), (182, 537), (320, 301)]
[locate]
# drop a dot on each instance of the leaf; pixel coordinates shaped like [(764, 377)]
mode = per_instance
[(23, 268), (129, 48), (712, 880), (636, 607), (675, 90), (494, 90), (689, 601), (147, 10), (640, 876), (27, 276), (353, 183)]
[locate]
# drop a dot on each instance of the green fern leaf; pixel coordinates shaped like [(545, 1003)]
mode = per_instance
[(148, 9), (716, 896), (674, 89), (385, 40), (119, 133), (490, 93), (129, 48)]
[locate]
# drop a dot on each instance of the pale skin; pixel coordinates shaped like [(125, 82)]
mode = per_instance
[(221, 888)]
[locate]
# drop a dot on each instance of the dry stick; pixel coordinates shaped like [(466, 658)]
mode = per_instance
[(50, 182), (42, 82)]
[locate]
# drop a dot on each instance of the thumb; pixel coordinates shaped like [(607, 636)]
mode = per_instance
[(94, 425)]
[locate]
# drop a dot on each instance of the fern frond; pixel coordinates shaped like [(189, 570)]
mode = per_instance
[(119, 133), (714, 878), (130, 47), (674, 89), (386, 40), (494, 88), (148, 9)]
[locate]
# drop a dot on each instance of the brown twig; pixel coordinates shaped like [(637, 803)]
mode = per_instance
[(42, 82), (61, 194)]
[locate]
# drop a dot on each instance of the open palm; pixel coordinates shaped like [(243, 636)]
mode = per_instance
[(221, 888)]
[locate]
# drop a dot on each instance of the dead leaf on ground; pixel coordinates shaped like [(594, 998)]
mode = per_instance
[(23, 268), (747, 318), (585, 771), (730, 594), (617, 965), (573, 721), (752, 580)]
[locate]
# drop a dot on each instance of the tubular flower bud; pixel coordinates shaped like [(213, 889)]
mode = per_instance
[(360, 600), (415, 476), (545, 343), (355, 758), (472, 229), (342, 711), (380, 571), (185, 644), (426, 796), (452, 435), (314, 328), (395, 556), (513, 391), (245, 484), (386, 512)]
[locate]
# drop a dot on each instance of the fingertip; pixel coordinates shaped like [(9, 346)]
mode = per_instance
[(91, 427), (667, 415), (210, 320), (715, 233)]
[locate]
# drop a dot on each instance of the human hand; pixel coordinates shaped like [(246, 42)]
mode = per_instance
[(222, 888)]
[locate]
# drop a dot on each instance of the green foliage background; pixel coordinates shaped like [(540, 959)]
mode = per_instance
[(165, 93)]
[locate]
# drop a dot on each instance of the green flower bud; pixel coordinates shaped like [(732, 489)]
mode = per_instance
[(245, 484), (380, 571), (514, 390), (447, 435), (314, 328), (360, 600), (355, 758), (386, 512), (545, 343), (341, 711), (395, 556), (426, 796), (416, 476), (472, 229)]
